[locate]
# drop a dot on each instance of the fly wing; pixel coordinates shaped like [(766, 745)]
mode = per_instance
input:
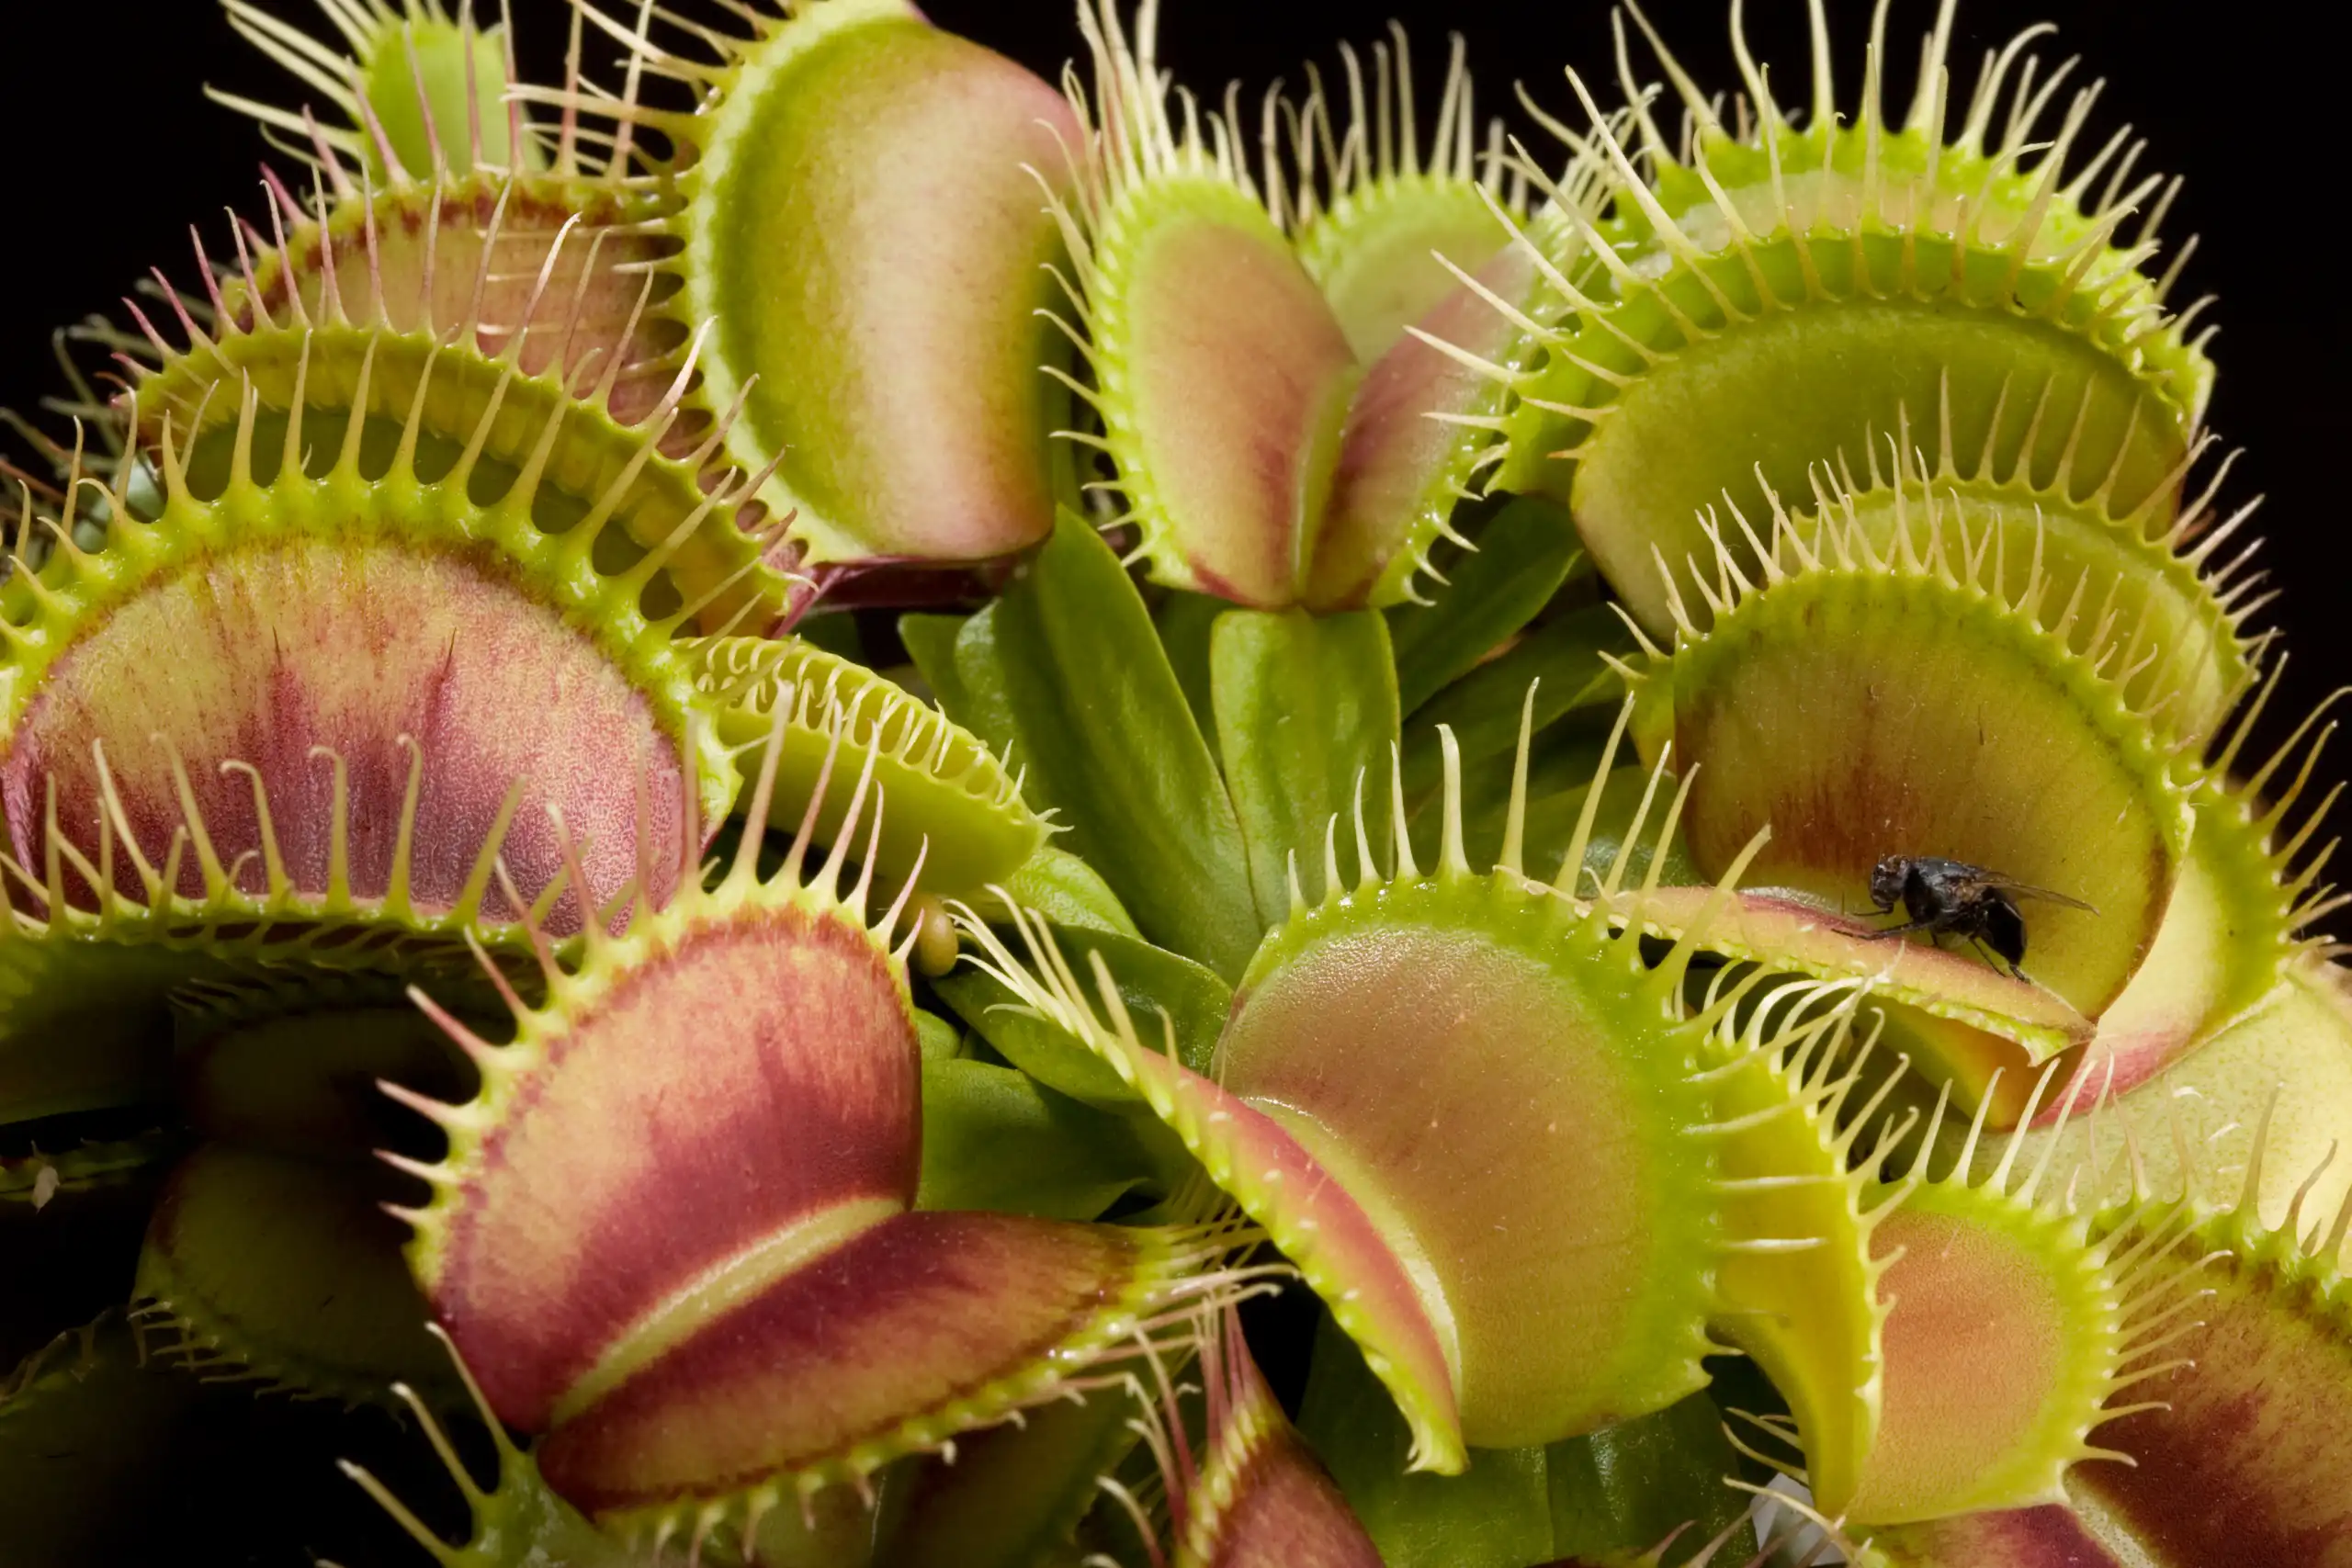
[(1993, 881)]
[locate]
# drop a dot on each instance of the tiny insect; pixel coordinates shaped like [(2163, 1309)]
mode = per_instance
[(1940, 895)]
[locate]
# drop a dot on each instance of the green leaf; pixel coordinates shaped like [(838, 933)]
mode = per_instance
[(939, 1040), (1150, 980), (1483, 707), (994, 1139), (1551, 826), (1041, 1049), (980, 692), (1014, 1493), (931, 643), (1624, 1490), (1184, 622), (836, 632), (1496, 1514), (1305, 708), (1524, 554), (1101, 726), (1068, 892)]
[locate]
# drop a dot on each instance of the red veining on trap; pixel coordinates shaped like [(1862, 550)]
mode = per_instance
[(759, 1074), (908, 1318), (1263, 1497), (1238, 370), (1393, 452), (272, 655), (429, 252), (2250, 1463), (2049, 1537), (1311, 1213)]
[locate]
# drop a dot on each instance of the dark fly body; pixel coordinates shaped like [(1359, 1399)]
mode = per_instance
[(1952, 897)]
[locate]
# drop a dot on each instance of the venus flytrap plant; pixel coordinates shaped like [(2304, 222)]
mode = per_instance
[(957, 811), (1373, 1191), (838, 1107), (146, 851), (662, 1361)]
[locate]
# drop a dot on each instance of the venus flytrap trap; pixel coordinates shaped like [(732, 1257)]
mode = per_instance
[(1375, 209), (1962, 254), (2255, 1349), (2185, 590), (292, 1067), (1440, 1259), (957, 812), (1418, 647), (1792, 640), (1251, 1489), (920, 434), (244, 1248), (417, 91), (2083, 1311), (2235, 1002), (146, 851), (653, 1356)]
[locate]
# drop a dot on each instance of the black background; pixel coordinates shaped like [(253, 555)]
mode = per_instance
[(114, 152)]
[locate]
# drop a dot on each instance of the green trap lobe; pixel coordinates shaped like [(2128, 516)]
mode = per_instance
[(951, 809), (1400, 470), (286, 657), (1375, 254), (1481, 1105), (730, 1105), (1810, 1317), (2072, 547), (1778, 929), (470, 252), (1960, 1020), (1236, 381), (919, 1329), (867, 234), (1863, 716), (1309, 1212), (289, 1271), (1804, 385), (2284, 1065), (305, 1084), (433, 89), (2219, 958), (1977, 1282)]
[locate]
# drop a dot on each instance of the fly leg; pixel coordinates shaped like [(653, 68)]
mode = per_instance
[(1905, 929)]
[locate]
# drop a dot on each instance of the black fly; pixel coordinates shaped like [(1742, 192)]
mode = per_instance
[(1940, 895)]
